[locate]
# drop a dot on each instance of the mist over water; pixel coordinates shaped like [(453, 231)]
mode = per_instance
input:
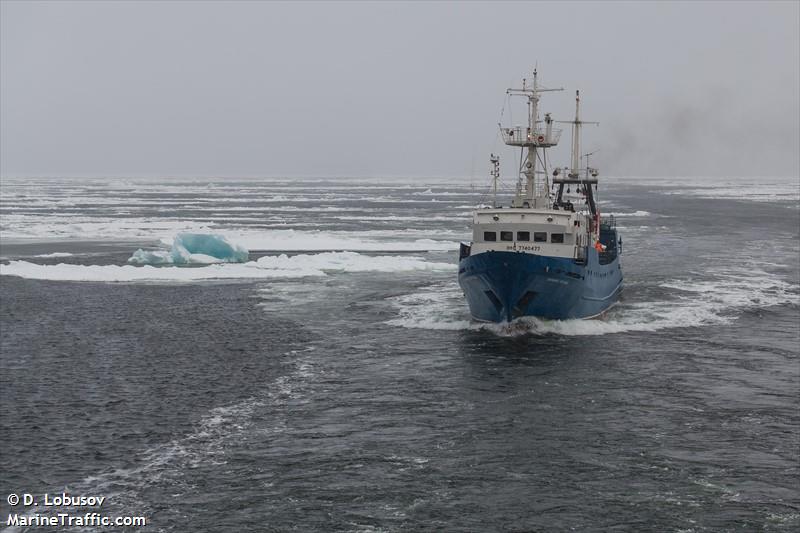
[(334, 381)]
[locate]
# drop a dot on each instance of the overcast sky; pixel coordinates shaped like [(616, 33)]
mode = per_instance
[(392, 89)]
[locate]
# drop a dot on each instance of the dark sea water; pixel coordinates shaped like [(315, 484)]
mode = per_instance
[(342, 387)]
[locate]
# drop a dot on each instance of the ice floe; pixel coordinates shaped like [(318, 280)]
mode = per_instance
[(55, 254), (267, 267)]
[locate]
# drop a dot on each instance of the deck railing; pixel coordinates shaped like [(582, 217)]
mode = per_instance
[(520, 136)]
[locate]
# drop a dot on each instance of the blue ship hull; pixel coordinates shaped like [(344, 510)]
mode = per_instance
[(502, 286)]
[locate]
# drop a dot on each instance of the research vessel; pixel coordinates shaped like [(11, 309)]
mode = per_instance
[(550, 253)]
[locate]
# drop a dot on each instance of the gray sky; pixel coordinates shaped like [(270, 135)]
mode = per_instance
[(391, 89)]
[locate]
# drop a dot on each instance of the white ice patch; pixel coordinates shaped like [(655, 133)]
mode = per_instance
[(431, 192), (59, 227), (352, 262), (55, 254), (755, 189), (475, 206), (398, 218), (694, 303), (310, 241), (193, 248), (267, 267), (634, 214), (130, 273)]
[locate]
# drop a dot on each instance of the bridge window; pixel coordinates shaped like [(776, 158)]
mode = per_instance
[(506, 235), (523, 235), (557, 238), (489, 236), (540, 236)]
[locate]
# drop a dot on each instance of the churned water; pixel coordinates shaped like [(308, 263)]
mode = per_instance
[(334, 381)]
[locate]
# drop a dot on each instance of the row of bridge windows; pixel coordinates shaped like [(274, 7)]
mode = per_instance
[(525, 236)]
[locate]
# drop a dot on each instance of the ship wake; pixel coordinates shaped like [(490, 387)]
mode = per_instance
[(678, 303)]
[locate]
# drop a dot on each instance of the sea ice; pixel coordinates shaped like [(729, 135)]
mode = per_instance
[(268, 267), (193, 248)]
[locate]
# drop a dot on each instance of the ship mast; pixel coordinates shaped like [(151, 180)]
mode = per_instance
[(532, 139), (573, 174), (530, 164), (576, 137), (574, 171)]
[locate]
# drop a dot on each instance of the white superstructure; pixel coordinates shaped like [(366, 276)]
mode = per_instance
[(541, 219)]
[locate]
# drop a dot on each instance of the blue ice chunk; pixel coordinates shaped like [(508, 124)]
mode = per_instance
[(193, 248), (148, 257), (216, 246)]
